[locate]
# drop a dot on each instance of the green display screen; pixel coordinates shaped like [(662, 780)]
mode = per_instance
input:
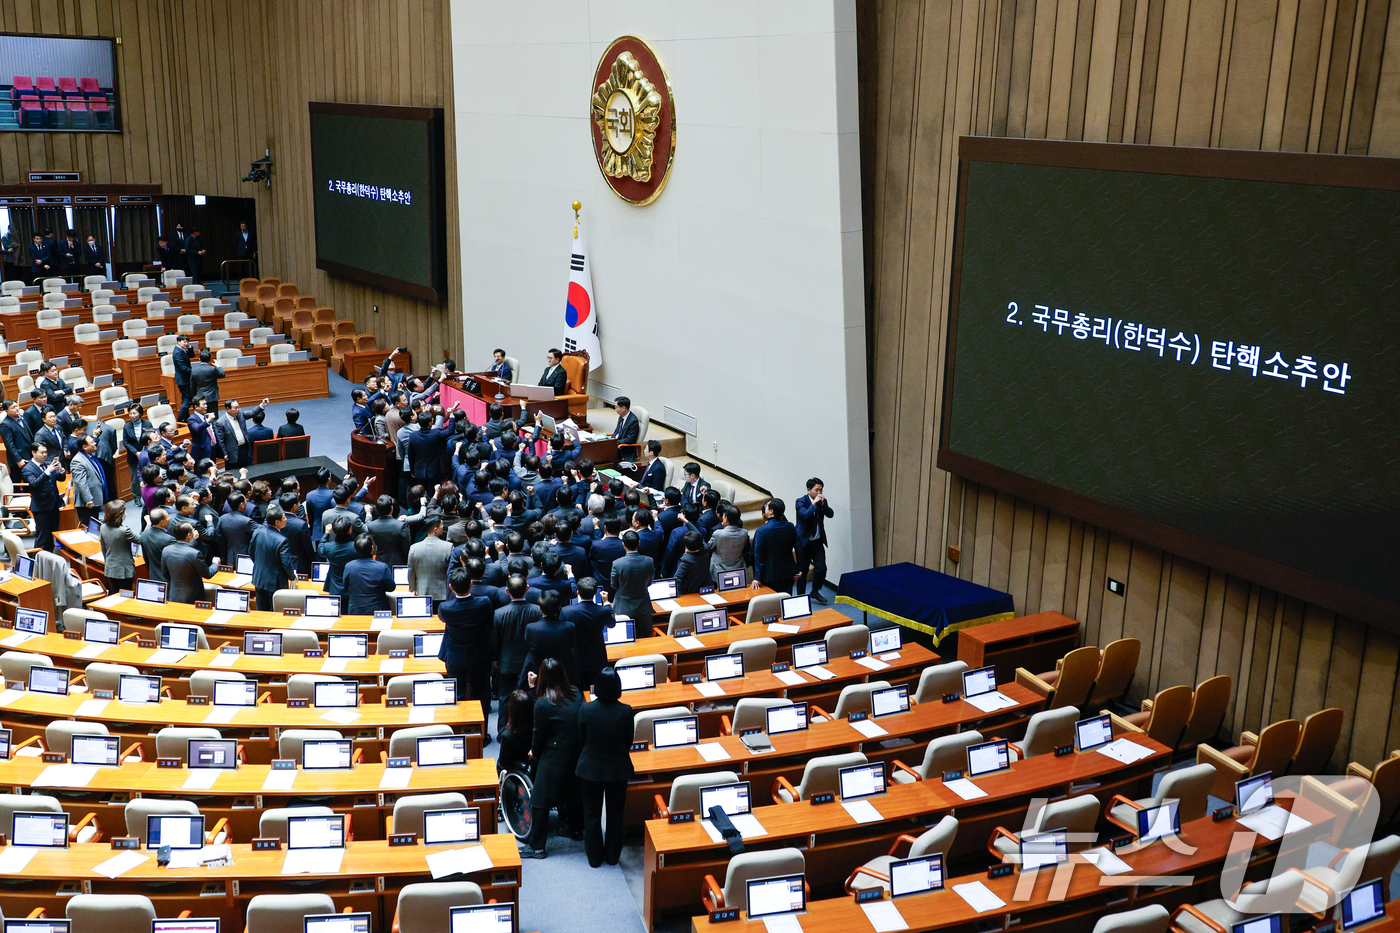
[(377, 183), (1214, 355)]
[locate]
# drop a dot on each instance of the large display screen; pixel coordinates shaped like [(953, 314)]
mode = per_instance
[(1197, 348), (377, 178), (58, 84)]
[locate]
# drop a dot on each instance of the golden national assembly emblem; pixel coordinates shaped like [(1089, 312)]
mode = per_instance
[(633, 120)]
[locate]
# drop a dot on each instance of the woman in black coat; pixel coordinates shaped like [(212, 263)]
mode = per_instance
[(555, 751), (604, 767)]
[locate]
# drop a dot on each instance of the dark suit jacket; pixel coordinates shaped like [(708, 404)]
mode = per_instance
[(93, 255), (291, 430), (67, 253), (427, 453), (549, 638), (508, 626), (153, 543), (132, 433), (631, 575), (367, 583), (467, 636), (652, 544), (186, 572), (273, 564), (245, 249), (556, 748), (236, 530), (628, 429), (773, 563), (17, 437), (605, 732), (558, 379), (201, 438), (259, 432), (43, 485), (668, 520), (338, 554), (298, 535), (601, 555), (675, 547), (655, 475), (41, 256), (391, 540), (204, 381), (575, 558), (181, 360), (589, 621), (318, 502), (811, 521), (692, 572)]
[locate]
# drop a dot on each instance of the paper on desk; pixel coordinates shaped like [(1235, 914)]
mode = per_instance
[(305, 622), (459, 861), (1124, 751), (1270, 822), (818, 672), (185, 858), (1105, 861), (869, 728), (238, 581), (80, 535), (746, 823), (90, 651), (219, 617), (14, 859), (8, 696), (109, 602), (64, 776), (875, 664), (381, 625), (395, 778), (120, 864), (221, 714), (420, 714), (991, 702), (224, 659), (667, 605), (29, 751), (334, 665), (707, 689), (714, 599), (166, 656), (791, 678), (712, 751), (91, 708), (201, 779), (342, 716), (965, 789), (690, 642), (784, 923), (312, 861), (978, 896), (784, 628), (884, 916), (862, 811), (15, 640), (279, 780), (391, 666)]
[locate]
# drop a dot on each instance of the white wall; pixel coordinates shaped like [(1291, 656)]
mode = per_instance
[(737, 296)]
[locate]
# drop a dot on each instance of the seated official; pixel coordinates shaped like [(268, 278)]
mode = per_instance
[(292, 428), (499, 367), (628, 427), (554, 374)]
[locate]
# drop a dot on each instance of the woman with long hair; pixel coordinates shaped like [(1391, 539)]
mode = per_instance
[(555, 749), (116, 540), (604, 767), (516, 736)]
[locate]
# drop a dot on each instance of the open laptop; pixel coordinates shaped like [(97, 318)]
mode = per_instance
[(435, 692), (231, 600), (316, 832), (400, 574), (319, 570), (243, 565), (99, 750), (724, 667), (218, 754), (442, 750), (916, 875), (39, 829), (1159, 822), (327, 755), (235, 693), (637, 677), (454, 825), (32, 621), (347, 646), (413, 607), (732, 580), (186, 925), (890, 701), (776, 895), (94, 527), (885, 640), (102, 631), (809, 654), (987, 758), (427, 645), (796, 607), (1093, 733), (323, 607), (1044, 850), (179, 638), (621, 632), (24, 567), (735, 800), (6, 736), (52, 680), (676, 732), (43, 925), (336, 923), (1266, 923), (661, 589), (790, 718), (481, 918), (711, 620), (179, 831), (860, 781), (335, 693), (138, 688), (261, 644), (979, 681), (1365, 903)]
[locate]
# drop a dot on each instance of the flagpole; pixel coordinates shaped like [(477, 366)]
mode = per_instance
[(577, 207)]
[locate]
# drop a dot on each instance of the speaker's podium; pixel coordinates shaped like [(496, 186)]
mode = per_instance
[(370, 458)]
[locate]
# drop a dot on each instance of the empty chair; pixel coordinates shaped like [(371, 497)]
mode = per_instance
[(157, 309), (365, 343), (345, 328), (1208, 707), (751, 713), (292, 599), (302, 321), (280, 352), (1317, 742), (202, 682), (131, 279), (1117, 666), (41, 803), (403, 743), (259, 335), (876, 872), (1076, 814), (424, 907), (58, 735), (100, 675), (185, 323), (840, 642), (642, 722), (1270, 750), (1150, 919), (322, 335), (340, 347), (214, 339), (744, 867), (943, 754), (200, 640), (169, 277), (160, 415), (15, 665), (819, 776), (290, 741), (1188, 786), (102, 296), (658, 662), (232, 318), (53, 302), (139, 808), (308, 302), (326, 314), (25, 384), (401, 687), (1163, 718), (285, 913), (75, 377), (682, 619), (102, 313), (296, 641), (74, 619), (760, 607), (110, 913), (189, 292), (1047, 731), (685, 791), (9, 302), (408, 811), (113, 394), (11, 287), (854, 698), (759, 653), (1069, 684), (939, 681), (225, 355), (1383, 780), (303, 686), (1326, 885), (174, 741), (401, 640), (205, 304), (134, 327), (144, 293), (30, 356), (1272, 894), (54, 284), (91, 282)]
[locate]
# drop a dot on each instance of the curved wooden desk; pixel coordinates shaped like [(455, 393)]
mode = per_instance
[(809, 629), (145, 617)]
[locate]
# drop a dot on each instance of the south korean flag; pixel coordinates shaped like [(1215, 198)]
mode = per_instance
[(580, 313)]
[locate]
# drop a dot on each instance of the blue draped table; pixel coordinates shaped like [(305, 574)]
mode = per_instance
[(923, 599)]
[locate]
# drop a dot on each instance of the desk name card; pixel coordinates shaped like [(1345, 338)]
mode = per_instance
[(267, 844), (724, 915), (145, 643), (395, 701), (203, 604), (291, 612), (637, 747), (856, 717), (952, 776), (769, 620), (691, 679), (858, 654), (1120, 842), (52, 758), (403, 839), (383, 614), (870, 894), (103, 695), (1000, 871), (284, 764), (193, 700), (1220, 814), (706, 590), (680, 816), (827, 797), (952, 697), (126, 842), (169, 763), (682, 633), (314, 653), (229, 649), (75, 636), (403, 761), (296, 703), (780, 666), (1064, 750), (398, 653)]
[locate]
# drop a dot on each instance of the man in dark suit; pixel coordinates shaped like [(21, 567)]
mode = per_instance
[(168, 253), (298, 534), (572, 556), (274, 567), (650, 542), (773, 545), (554, 374), (204, 379), (41, 257), (42, 473), (194, 254), (185, 570), (466, 644), (202, 436), (232, 430), (14, 430), (49, 435), (427, 450), (134, 442), (318, 502), (180, 359), (66, 252), (550, 577), (499, 367), (654, 476), (390, 534), (692, 487), (235, 528), (257, 431), (70, 414), (606, 550), (675, 545), (628, 427), (107, 443), (693, 568), (94, 257), (55, 388), (367, 581), (154, 540), (508, 645), (632, 573), (669, 518), (550, 637), (245, 245), (812, 513), (292, 428), (589, 620)]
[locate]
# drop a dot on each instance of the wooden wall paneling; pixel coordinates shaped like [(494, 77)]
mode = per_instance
[(1222, 67), (1309, 691), (1042, 53), (1151, 62), (1002, 529), (1188, 626), (1343, 680), (1103, 63), (1167, 80), (1202, 58), (952, 526), (1212, 624), (1054, 577), (1245, 83), (1079, 81), (1141, 608), (1340, 74), (1019, 564), (1022, 46), (1280, 63), (971, 494), (1369, 62), (1040, 523), (1326, 38), (982, 545), (1287, 649), (1375, 697), (1062, 72)]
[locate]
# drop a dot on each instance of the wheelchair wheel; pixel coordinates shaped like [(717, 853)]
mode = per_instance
[(515, 792)]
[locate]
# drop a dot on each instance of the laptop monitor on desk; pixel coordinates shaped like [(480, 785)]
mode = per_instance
[(860, 781), (33, 621), (138, 688), (219, 754), (235, 693), (98, 750), (979, 681), (335, 694), (179, 831), (636, 677), (455, 825), (796, 607), (732, 580), (790, 718), (39, 829), (621, 632), (1268, 923), (347, 646), (916, 875), (675, 733), (809, 654), (481, 918), (427, 644), (49, 680), (724, 667), (1365, 903), (710, 621), (231, 600), (987, 758), (1044, 850), (661, 589), (1159, 822), (1093, 733), (776, 895), (263, 644), (316, 832)]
